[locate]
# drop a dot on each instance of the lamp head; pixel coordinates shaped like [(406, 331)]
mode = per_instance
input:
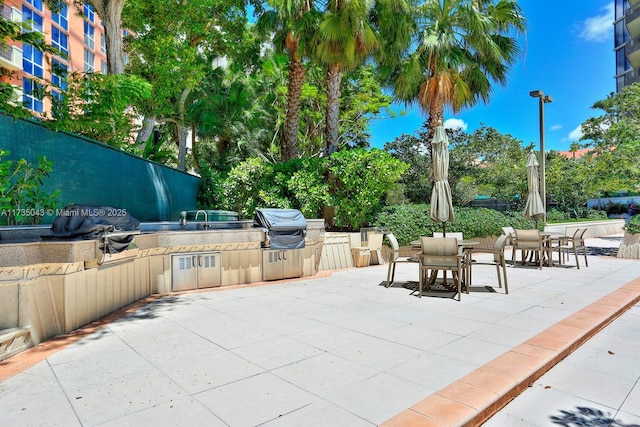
[(536, 93), (547, 98)]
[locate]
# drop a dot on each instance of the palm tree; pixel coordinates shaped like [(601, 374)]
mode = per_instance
[(459, 48), (292, 23), (351, 32)]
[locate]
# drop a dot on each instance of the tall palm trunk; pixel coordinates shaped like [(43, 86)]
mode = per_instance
[(436, 118), (289, 149), (333, 79)]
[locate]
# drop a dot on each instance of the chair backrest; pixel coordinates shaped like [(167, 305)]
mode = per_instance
[(440, 251), (395, 247), (578, 237), (509, 231), (528, 239), (355, 241), (501, 242), (457, 235), (499, 245), (374, 241)]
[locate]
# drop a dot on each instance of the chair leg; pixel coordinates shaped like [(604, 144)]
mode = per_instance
[(391, 271), (575, 254), (504, 272), (498, 274), (584, 251)]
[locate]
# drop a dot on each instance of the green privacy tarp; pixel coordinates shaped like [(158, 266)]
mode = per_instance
[(88, 172)]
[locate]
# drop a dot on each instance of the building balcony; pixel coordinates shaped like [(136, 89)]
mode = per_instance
[(11, 14), (11, 58), (632, 49), (632, 21)]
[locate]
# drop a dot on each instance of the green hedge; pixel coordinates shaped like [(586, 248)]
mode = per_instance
[(633, 227), (409, 222)]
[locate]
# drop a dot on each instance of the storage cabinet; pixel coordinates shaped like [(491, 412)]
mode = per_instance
[(196, 270), (282, 264)]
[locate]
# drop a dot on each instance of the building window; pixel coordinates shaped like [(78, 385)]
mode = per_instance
[(37, 4), (103, 44), (89, 13), (32, 61), (34, 19), (89, 35), (59, 40), (89, 59), (59, 72), (622, 62), (31, 95), (103, 68), (62, 18)]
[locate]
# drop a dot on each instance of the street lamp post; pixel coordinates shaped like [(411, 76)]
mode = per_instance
[(543, 99)]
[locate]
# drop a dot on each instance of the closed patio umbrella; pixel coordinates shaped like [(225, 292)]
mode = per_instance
[(534, 209), (441, 204)]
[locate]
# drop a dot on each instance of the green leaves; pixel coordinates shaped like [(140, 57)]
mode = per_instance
[(21, 199), (361, 180)]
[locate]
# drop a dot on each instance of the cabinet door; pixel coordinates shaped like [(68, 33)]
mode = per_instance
[(272, 264), (209, 269), (293, 263), (184, 274)]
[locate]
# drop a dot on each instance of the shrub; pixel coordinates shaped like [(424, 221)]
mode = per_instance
[(409, 222), (633, 226), (360, 181)]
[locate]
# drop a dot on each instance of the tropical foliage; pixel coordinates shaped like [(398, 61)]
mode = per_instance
[(277, 112), (22, 200)]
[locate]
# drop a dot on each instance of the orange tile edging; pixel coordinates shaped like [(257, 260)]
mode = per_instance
[(474, 398)]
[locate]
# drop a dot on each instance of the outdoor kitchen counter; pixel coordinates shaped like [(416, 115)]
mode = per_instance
[(22, 253)]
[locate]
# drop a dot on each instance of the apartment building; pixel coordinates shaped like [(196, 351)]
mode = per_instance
[(627, 42), (79, 36)]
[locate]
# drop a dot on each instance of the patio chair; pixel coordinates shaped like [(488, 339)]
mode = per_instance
[(397, 258), (510, 233), (441, 254), (529, 242), (374, 243), (498, 260), (573, 244)]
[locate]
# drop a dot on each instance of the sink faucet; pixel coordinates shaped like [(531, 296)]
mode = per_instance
[(206, 219)]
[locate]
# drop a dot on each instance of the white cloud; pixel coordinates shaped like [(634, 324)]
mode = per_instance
[(576, 134), (600, 27), (556, 127), (455, 124)]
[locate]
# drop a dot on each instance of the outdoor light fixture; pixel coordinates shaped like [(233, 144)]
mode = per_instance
[(543, 191)]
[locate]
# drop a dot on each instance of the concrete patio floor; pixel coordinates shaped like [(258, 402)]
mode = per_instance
[(340, 349)]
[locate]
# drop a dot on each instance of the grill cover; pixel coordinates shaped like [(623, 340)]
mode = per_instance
[(285, 227), (85, 222)]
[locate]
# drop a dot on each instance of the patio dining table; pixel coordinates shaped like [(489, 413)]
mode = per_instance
[(466, 246)]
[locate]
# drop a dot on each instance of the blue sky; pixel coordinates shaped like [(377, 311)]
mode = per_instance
[(567, 54)]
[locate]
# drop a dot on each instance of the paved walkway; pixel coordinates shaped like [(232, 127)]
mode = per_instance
[(337, 350), (597, 385)]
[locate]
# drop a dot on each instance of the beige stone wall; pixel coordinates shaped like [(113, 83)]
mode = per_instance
[(630, 247)]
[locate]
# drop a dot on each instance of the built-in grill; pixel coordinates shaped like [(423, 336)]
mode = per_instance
[(113, 229), (285, 228)]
